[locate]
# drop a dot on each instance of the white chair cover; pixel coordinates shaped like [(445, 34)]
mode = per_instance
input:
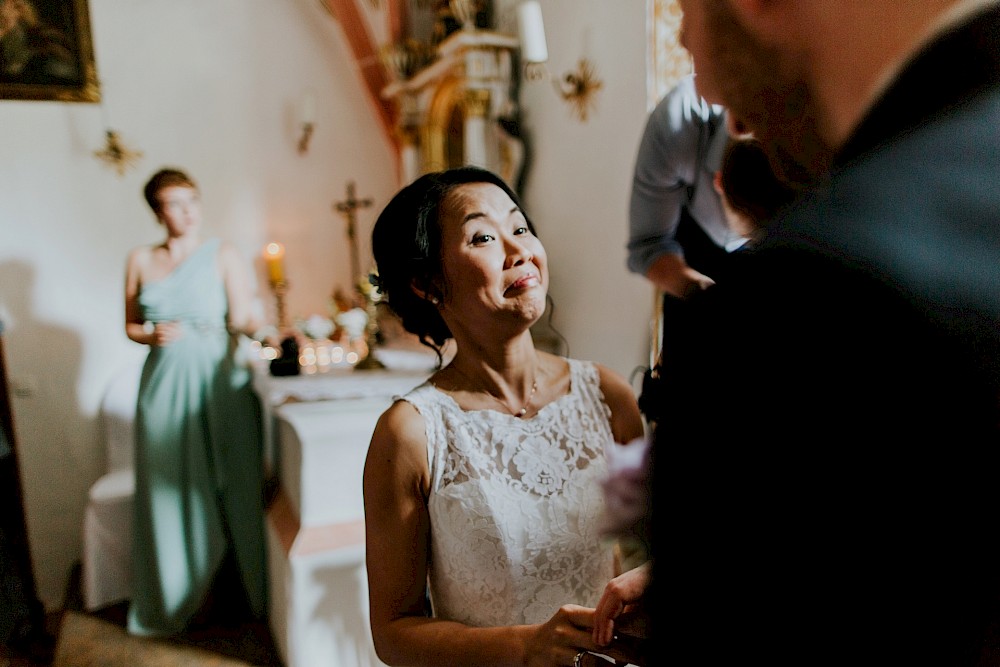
[(107, 522)]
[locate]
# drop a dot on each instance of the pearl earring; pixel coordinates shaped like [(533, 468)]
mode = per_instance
[(434, 300)]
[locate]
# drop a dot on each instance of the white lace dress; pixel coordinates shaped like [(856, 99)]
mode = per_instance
[(515, 505)]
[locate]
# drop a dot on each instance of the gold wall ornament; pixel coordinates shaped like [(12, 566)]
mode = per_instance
[(476, 102), (406, 57), (116, 154), (464, 12), (307, 121), (446, 128), (668, 60), (580, 89)]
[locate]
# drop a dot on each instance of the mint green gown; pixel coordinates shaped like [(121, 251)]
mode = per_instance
[(198, 456)]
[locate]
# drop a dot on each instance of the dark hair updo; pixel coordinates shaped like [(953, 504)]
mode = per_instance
[(406, 244)]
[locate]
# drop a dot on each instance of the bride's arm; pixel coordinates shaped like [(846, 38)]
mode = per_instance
[(626, 420), (397, 529)]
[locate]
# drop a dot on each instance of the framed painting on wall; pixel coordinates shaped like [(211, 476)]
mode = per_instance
[(46, 51)]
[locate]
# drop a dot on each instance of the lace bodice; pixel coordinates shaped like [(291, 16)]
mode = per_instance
[(515, 504)]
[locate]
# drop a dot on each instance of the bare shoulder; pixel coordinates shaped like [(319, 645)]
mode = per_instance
[(401, 421), (614, 386), (140, 254), (399, 442), (626, 420), (139, 260), (612, 380)]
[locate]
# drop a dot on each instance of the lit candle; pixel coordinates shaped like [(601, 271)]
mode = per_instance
[(274, 258), (529, 20)]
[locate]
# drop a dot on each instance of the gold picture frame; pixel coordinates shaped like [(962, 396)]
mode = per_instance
[(46, 51)]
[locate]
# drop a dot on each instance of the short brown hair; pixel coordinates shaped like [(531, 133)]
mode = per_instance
[(165, 178), (750, 183)]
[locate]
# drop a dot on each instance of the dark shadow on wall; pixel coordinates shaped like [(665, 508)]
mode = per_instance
[(43, 366)]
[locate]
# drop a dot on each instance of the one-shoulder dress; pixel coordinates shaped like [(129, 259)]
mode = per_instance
[(198, 456), (515, 505)]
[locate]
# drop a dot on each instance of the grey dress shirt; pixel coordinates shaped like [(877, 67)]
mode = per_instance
[(681, 149)]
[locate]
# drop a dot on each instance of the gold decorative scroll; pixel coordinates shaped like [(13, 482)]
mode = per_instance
[(669, 61)]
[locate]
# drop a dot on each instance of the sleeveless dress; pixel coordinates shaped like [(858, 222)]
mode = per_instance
[(515, 505), (198, 456)]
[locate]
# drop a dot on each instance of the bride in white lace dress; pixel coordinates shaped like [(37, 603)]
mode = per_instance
[(482, 486)]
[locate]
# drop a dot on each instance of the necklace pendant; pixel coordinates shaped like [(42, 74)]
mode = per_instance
[(523, 411)]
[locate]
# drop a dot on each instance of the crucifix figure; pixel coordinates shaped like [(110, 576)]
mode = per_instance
[(349, 207), (367, 298)]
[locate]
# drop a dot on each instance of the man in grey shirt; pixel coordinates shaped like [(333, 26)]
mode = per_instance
[(678, 236)]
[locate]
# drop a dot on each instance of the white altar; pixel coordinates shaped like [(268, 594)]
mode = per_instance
[(319, 427)]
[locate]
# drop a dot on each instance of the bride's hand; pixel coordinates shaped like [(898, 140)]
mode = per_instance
[(558, 641)]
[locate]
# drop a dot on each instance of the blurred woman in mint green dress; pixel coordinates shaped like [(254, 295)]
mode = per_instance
[(198, 457)]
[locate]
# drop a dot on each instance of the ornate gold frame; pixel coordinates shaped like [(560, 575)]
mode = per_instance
[(74, 20)]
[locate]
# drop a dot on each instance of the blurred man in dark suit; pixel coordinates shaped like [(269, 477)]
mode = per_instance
[(831, 494)]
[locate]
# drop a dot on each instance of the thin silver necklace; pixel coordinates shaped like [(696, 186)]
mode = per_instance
[(517, 413)]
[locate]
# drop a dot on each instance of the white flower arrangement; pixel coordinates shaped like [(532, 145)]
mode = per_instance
[(317, 327), (353, 322)]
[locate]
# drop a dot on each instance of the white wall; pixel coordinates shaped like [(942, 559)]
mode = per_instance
[(212, 86), (578, 190)]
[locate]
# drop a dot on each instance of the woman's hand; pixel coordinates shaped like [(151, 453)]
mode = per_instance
[(165, 333), (557, 642)]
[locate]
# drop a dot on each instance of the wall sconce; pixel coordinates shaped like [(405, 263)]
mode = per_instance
[(307, 121), (116, 154), (579, 88)]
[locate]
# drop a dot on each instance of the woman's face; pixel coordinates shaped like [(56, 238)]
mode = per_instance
[(493, 265), (180, 209)]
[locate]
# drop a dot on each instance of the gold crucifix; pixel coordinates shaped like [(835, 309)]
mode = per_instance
[(349, 207)]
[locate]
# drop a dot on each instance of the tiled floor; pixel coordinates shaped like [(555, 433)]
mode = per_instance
[(101, 639), (220, 628)]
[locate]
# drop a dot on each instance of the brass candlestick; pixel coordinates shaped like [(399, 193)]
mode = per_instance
[(280, 289), (371, 297)]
